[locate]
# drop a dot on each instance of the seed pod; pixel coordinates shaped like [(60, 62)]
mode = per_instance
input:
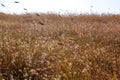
[(16, 2), (25, 9), (3, 5)]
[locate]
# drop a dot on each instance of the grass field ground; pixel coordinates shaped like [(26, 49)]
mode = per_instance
[(55, 47)]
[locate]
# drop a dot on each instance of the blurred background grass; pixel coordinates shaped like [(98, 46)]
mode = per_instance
[(84, 47)]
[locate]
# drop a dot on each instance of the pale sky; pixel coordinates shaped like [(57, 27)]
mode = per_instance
[(61, 6)]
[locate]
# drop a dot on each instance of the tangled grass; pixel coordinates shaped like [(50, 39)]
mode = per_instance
[(84, 47)]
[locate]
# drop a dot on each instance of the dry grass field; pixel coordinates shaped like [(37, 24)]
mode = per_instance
[(54, 47)]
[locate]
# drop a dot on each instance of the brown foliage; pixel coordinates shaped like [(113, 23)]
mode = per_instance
[(39, 47)]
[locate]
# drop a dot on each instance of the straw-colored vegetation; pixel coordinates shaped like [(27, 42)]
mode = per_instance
[(54, 47)]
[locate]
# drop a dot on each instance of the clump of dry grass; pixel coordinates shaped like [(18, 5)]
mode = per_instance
[(84, 47)]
